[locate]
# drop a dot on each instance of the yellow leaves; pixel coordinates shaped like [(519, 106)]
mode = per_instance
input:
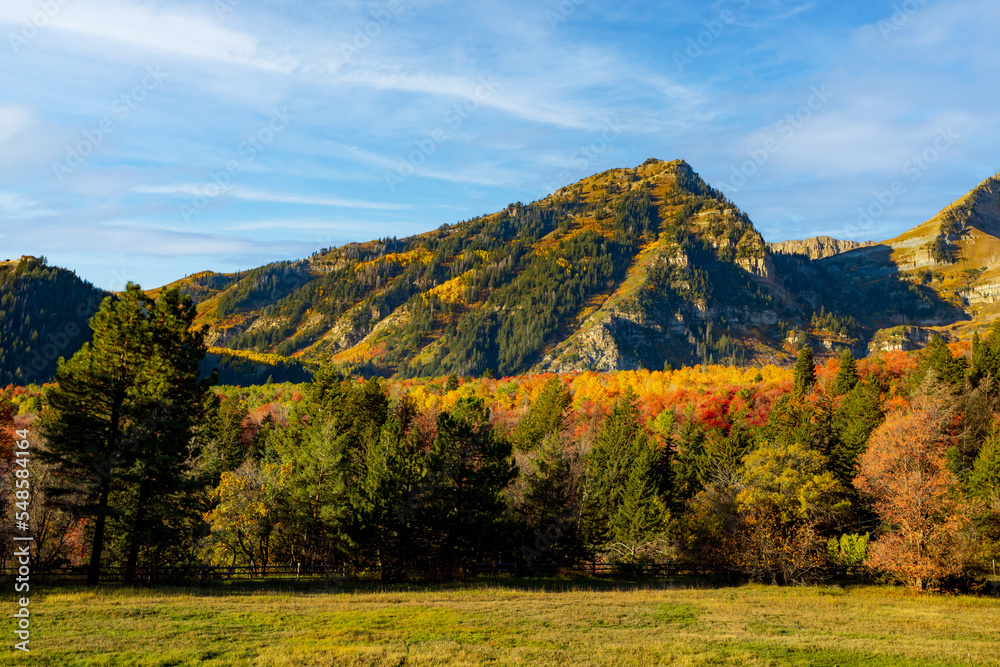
[(256, 357), (417, 256), (454, 290), (790, 479)]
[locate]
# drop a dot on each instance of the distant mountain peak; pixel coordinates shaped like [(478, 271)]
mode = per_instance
[(816, 247)]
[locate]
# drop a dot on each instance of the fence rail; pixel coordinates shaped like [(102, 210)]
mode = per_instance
[(673, 569), (186, 573), (207, 573)]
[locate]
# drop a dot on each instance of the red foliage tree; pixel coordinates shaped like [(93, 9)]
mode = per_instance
[(925, 520)]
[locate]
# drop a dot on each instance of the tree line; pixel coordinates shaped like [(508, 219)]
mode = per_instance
[(144, 464)]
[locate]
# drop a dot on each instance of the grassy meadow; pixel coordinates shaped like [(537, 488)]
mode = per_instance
[(511, 623)]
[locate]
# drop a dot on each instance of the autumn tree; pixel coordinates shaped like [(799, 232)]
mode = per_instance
[(786, 501), (904, 472), (243, 521)]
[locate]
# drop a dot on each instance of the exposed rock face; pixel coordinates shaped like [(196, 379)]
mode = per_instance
[(817, 247), (904, 338)]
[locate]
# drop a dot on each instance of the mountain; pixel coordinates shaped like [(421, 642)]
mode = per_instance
[(44, 311), (817, 247), (949, 265), (628, 268)]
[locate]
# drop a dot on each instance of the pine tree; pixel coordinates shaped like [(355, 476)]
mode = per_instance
[(642, 513), (938, 358), (805, 372), (388, 501), (858, 416), (546, 416), (470, 467), (123, 412), (847, 376), (549, 503), (690, 466)]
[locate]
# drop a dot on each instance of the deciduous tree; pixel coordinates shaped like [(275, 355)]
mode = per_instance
[(925, 519)]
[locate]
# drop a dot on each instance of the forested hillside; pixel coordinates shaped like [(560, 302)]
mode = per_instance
[(44, 312), (628, 269), (644, 268), (632, 268)]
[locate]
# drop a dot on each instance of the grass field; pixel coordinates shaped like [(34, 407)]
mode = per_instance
[(516, 623)]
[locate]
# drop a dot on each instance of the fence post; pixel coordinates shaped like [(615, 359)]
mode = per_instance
[(298, 571)]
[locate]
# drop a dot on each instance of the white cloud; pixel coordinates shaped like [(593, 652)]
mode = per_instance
[(14, 206), (14, 119), (250, 194), (145, 26)]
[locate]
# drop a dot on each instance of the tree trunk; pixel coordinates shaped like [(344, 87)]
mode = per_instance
[(94, 568), (137, 528)]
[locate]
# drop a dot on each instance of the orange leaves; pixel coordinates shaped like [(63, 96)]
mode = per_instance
[(905, 473)]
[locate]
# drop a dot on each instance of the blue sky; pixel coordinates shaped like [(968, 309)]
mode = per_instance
[(145, 140)]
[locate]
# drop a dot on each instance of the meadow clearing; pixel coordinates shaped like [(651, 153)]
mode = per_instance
[(511, 623)]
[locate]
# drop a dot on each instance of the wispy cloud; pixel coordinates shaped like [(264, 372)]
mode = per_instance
[(249, 194)]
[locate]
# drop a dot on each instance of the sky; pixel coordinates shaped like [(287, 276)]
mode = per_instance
[(146, 140)]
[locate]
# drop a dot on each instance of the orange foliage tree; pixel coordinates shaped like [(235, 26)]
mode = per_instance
[(926, 521)]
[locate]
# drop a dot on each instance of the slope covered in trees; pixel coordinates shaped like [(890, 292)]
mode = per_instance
[(44, 312), (632, 268)]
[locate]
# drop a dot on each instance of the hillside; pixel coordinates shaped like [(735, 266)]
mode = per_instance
[(631, 268), (626, 269), (949, 268), (44, 312)]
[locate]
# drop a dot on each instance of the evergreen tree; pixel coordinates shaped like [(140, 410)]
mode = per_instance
[(847, 376), (642, 514), (938, 358), (388, 502), (621, 446), (858, 416), (545, 416), (690, 466), (805, 372), (123, 412), (549, 503), (470, 467), (984, 479)]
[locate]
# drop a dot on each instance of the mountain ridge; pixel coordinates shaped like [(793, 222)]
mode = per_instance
[(643, 267)]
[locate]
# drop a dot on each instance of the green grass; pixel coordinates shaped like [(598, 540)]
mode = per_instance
[(518, 623)]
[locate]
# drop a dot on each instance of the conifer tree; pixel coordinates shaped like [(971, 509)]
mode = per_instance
[(805, 372), (123, 413), (545, 416), (642, 513), (847, 376), (470, 468), (549, 503)]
